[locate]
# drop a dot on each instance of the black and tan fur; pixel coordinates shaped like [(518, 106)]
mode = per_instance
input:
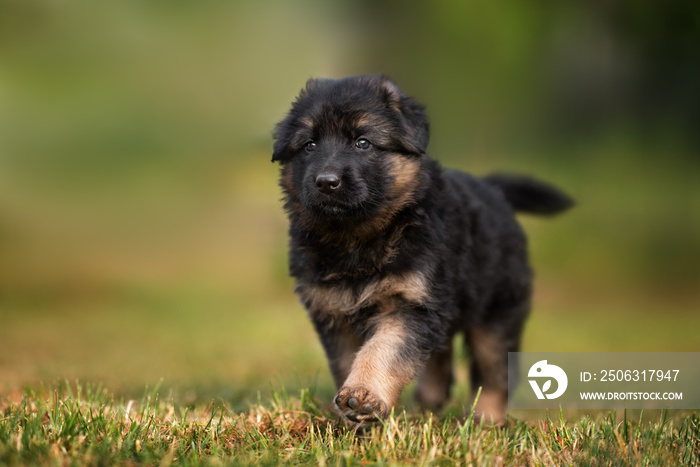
[(393, 255)]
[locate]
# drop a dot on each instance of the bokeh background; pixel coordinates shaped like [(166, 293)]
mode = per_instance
[(141, 233)]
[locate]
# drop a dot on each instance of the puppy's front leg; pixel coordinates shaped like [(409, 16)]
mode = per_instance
[(388, 360)]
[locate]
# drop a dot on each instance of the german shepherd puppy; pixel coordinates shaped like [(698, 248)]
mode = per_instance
[(393, 255)]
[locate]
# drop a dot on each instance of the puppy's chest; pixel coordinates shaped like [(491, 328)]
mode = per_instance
[(343, 280), (347, 297)]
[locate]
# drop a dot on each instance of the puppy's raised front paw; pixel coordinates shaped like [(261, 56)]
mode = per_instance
[(359, 407)]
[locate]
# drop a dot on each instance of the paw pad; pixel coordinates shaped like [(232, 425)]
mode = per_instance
[(359, 406)]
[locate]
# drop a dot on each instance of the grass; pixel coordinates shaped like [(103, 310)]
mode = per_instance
[(210, 345), (214, 347), (74, 425)]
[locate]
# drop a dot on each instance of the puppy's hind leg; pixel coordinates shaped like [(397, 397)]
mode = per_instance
[(433, 389), (488, 348)]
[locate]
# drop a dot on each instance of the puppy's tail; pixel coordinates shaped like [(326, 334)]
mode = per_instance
[(526, 194)]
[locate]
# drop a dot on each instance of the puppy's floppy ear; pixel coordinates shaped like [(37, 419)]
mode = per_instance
[(285, 130), (281, 146), (414, 121), (416, 124)]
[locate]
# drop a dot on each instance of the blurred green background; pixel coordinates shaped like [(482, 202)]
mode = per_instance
[(141, 232)]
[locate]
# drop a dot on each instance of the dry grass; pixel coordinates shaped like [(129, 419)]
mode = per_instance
[(67, 425)]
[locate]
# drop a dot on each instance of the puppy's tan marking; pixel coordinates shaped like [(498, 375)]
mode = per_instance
[(341, 299), (306, 121), (406, 179), (490, 407), (489, 359), (434, 383), (378, 374), (366, 120), (404, 170)]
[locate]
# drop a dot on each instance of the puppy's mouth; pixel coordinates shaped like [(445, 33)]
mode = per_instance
[(344, 205), (333, 208)]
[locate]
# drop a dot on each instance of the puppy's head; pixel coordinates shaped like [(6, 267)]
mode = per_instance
[(351, 148)]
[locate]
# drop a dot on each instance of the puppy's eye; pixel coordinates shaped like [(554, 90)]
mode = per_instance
[(310, 146), (363, 143)]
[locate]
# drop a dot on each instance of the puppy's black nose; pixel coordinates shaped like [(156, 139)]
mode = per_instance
[(327, 182)]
